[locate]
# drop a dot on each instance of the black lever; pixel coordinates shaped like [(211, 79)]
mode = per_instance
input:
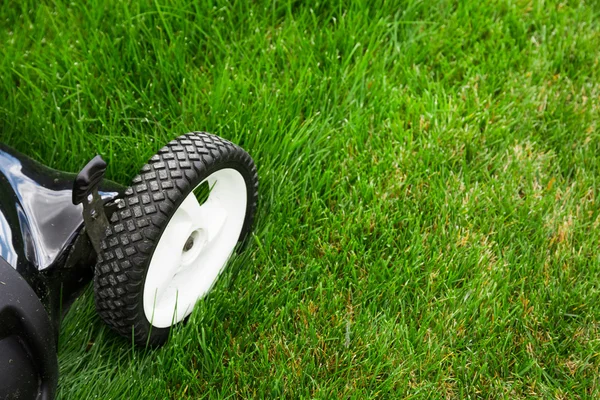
[(85, 190), (88, 179)]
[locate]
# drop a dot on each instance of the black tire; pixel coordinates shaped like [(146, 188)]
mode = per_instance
[(137, 225)]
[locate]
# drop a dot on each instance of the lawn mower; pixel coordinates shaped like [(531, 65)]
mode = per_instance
[(152, 249)]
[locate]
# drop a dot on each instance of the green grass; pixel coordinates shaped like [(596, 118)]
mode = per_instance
[(428, 225)]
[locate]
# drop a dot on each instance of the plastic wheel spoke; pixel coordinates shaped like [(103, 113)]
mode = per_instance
[(170, 261), (209, 216)]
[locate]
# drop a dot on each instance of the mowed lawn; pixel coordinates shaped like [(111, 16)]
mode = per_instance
[(428, 224)]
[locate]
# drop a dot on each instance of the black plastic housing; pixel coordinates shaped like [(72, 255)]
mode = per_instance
[(46, 260)]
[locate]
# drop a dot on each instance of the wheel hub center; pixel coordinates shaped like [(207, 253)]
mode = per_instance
[(189, 244), (193, 246)]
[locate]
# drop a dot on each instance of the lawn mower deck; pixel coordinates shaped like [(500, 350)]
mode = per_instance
[(45, 262)]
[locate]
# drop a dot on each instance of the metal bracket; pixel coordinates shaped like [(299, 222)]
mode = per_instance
[(85, 191)]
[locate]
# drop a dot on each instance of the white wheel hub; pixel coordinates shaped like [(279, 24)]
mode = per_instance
[(194, 248)]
